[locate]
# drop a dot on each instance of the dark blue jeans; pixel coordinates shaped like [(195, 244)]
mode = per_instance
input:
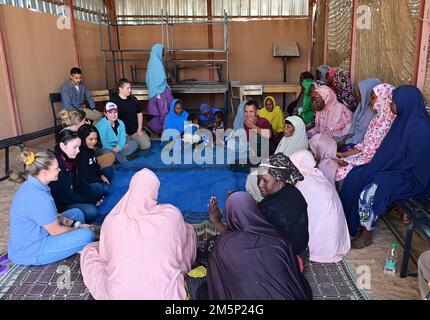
[(100, 189), (89, 210), (108, 173)]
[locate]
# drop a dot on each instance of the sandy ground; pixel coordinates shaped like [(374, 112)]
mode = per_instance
[(379, 286)]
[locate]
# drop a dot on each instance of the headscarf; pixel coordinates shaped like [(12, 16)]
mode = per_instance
[(400, 166), (378, 129), (251, 261), (174, 121), (297, 141), (335, 119), (307, 113), (342, 83), (275, 117), (325, 149), (364, 114), (286, 209), (304, 161), (156, 79), (239, 121), (307, 75), (323, 69), (330, 79), (328, 231), (144, 249), (203, 120), (282, 169)]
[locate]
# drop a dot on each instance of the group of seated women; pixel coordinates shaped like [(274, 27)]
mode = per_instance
[(373, 153)]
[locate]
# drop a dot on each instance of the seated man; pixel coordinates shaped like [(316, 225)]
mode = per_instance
[(424, 274), (260, 126), (73, 92)]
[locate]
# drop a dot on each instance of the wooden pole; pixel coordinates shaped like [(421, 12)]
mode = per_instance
[(310, 34), (76, 55), (8, 78), (423, 38), (353, 60), (326, 15)]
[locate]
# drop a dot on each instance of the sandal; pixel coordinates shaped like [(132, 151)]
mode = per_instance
[(360, 244)]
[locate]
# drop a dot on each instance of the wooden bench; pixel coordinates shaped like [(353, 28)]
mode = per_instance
[(418, 210), (140, 94), (100, 95)]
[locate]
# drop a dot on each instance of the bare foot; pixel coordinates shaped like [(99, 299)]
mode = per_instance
[(363, 240)]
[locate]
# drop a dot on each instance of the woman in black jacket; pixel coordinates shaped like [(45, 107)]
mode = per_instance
[(71, 190), (98, 179)]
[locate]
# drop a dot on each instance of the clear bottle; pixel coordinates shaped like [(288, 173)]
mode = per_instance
[(391, 260)]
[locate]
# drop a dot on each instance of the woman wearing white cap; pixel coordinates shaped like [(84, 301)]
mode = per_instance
[(113, 135)]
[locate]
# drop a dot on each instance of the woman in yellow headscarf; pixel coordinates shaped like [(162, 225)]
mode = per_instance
[(273, 113)]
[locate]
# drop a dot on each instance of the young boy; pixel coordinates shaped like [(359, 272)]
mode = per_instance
[(218, 127), (190, 130)]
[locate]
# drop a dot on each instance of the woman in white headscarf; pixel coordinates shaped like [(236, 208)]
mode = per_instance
[(294, 139)]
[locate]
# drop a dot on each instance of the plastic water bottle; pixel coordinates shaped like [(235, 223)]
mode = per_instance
[(391, 260)]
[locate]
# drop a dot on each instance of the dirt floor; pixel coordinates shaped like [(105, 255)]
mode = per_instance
[(379, 286)]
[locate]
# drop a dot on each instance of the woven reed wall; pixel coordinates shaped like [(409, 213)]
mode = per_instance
[(339, 33), (318, 40), (387, 50)]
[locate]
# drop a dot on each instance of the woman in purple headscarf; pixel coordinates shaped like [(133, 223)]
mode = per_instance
[(207, 115), (251, 260)]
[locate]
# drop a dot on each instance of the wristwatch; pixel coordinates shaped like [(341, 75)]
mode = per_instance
[(76, 224)]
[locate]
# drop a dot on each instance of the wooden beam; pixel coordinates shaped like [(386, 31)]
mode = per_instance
[(76, 55), (113, 30), (423, 38), (353, 60), (424, 48), (310, 34), (210, 36), (326, 15), (8, 78), (210, 46)]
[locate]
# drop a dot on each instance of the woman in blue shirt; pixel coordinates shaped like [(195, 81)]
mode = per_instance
[(37, 236)]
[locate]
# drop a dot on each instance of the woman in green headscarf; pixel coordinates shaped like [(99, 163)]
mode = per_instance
[(307, 112)]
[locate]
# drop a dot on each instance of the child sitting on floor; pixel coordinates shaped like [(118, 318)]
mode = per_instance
[(97, 178), (218, 127), (190, 130)]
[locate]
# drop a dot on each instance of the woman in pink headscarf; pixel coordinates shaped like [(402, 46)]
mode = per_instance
[(331, 117), (363, 152), (328, 231), (324, 149), (144, 250)]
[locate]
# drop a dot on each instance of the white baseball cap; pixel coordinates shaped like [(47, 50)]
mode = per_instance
[(110, 106)]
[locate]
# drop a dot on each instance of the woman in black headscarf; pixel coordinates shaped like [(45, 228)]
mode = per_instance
[(251, 260), (283, 204)]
